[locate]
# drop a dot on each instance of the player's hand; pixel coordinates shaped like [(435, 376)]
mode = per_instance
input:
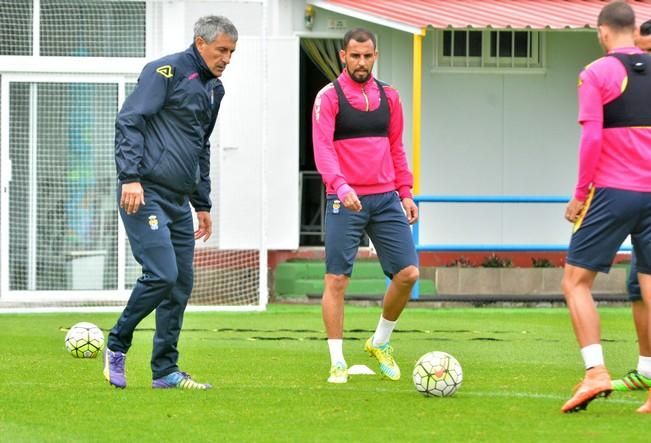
[(411, 210), (132, 197), (351, 201), (573, 210), (205, 226)]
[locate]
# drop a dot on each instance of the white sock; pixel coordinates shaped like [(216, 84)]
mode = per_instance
[(383, 331), (336, 347), (644, 366), (593, 355)]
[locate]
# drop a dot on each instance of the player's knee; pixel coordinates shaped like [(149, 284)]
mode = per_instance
[(167, 281), (566, 286), (569, 284), (336, 283), (409, 275), (169, 277), (575, 278)]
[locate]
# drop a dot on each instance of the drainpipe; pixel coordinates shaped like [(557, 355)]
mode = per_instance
[(417, 85)]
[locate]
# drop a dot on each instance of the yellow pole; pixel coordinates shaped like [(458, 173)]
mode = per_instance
[(417, 89)]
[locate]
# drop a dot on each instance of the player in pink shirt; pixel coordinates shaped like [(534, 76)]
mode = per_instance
[(357, 136), (612, 199), (639, 378)]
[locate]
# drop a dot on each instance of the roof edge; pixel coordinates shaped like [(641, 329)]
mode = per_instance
[(368, 17)]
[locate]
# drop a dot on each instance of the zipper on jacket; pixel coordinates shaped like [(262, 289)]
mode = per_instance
[(365, 98)]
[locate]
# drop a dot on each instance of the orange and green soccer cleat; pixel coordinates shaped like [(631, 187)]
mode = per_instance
[(632, 381), (595, 384)]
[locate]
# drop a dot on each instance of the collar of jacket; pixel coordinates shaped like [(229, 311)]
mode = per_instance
[(204, 72), (349, 82)]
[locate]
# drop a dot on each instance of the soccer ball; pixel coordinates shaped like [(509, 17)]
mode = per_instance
[(437, 374), (84, 340)]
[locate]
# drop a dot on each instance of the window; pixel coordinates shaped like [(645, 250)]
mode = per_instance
[(74, 28), (510, 44), (62, 162), (490, 50), (81, 28), (15, 27), (462, 43)]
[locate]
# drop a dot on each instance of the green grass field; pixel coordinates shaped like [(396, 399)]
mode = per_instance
[(269, 372)]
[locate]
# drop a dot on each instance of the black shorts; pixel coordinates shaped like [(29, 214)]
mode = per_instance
[(633, 284), (385, 222), (609, 217)]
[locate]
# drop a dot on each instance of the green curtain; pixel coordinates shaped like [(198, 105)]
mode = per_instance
[(324, 53)]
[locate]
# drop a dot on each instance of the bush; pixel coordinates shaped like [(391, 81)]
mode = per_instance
[(493, 261), (541, 263), (461, 262)]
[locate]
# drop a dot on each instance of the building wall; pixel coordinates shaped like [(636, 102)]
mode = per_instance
[(490, 134), (394, 48), (482, 133), (503, 134), (256, 136)]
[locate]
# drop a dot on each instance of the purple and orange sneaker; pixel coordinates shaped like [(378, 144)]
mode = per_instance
[(114, 368), (178, 380)]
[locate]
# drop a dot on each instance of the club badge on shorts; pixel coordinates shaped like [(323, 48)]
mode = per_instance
[(153, 223), (335, 206)]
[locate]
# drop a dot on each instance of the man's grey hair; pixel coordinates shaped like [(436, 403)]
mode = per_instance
[(212, 26)]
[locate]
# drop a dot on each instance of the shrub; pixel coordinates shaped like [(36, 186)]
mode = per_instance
[(541, 263), (461, 262), (493, 261)]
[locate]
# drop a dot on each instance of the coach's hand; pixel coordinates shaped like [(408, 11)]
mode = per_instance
[(411, 210), (205, 226), (573, 210), (351, 201), (132, 197)]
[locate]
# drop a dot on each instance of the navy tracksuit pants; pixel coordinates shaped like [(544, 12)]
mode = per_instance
[(161, 235)]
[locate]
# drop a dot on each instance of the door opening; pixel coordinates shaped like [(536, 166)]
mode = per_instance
[(312, 193)]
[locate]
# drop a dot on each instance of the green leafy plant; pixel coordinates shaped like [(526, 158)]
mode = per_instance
[(493, 261), (461, 262), (541, 262)]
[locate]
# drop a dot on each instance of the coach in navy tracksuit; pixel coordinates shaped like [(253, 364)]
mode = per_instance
[(162, 154)]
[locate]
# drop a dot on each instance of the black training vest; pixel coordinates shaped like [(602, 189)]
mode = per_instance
[(633, 107), (353, 123)]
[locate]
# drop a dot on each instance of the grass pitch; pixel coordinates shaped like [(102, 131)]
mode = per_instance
[(269, 371)]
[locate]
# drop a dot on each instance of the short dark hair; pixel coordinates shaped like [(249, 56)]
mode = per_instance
[(359, 35), (617, 15), (645, 28)]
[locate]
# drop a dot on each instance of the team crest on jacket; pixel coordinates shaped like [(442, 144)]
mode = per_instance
[(153, 223), (165, 71)]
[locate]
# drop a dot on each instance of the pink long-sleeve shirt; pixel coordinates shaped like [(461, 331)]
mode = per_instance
[(368, 165), (612, 157)]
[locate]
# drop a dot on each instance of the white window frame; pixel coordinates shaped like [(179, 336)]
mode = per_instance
[(533, 64), (37, 63), (121, 293)]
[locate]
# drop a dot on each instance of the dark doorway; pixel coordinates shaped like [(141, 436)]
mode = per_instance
[(312, 193)]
